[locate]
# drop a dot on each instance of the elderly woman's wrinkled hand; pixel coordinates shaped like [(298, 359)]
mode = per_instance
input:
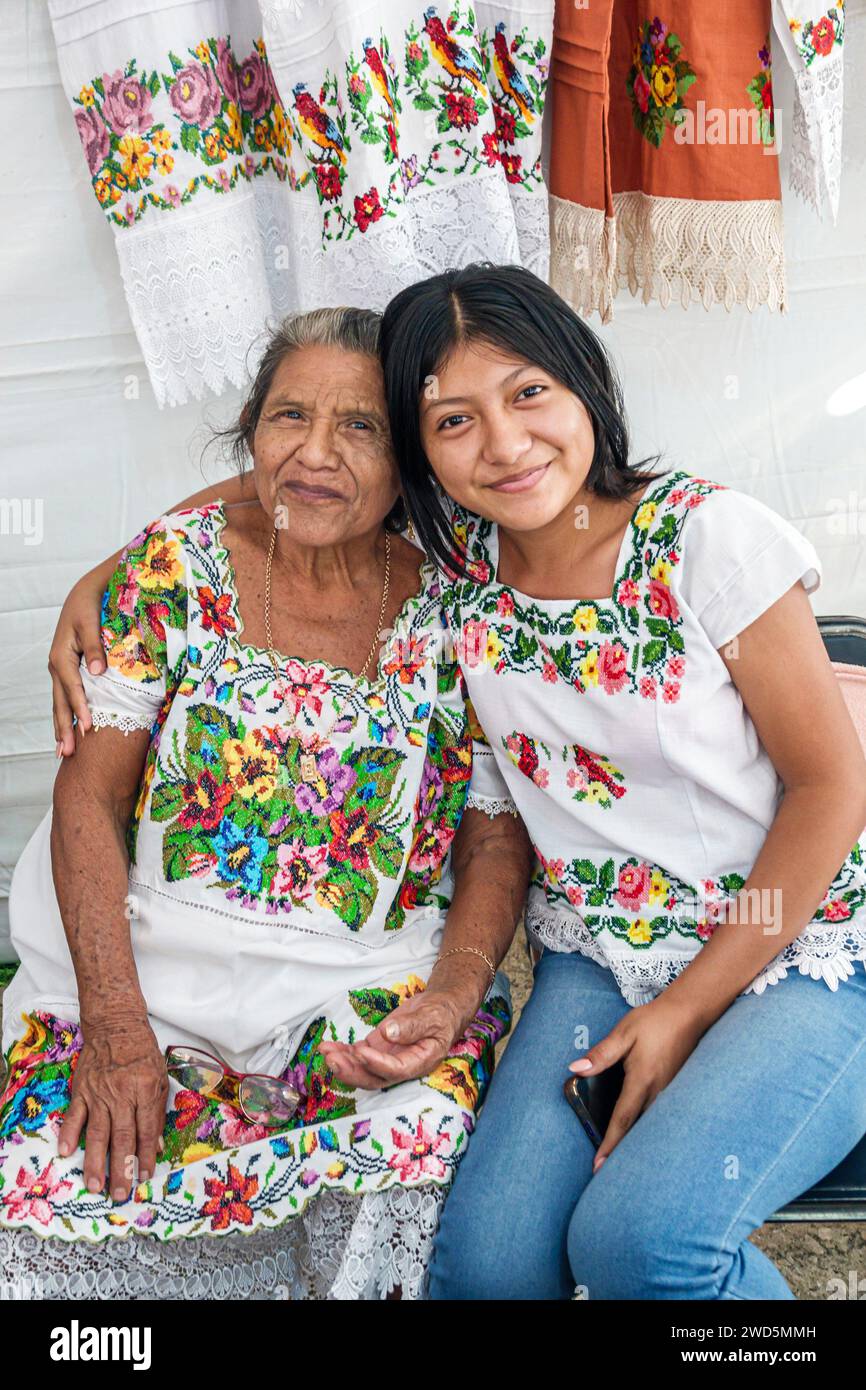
[(426, 1028), (119, 1091)]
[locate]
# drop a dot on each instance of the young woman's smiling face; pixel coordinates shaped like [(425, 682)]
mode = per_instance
[(504, 438)]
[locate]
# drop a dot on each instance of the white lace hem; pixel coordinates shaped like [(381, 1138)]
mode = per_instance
[(340, 1247), (202, 287), (828, 952), (668, 249), (491, 805), (126, 723)]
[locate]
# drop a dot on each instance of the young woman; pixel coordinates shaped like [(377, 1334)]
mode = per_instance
[(642, 656)]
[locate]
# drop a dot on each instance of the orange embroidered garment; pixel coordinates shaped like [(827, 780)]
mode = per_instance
[(663, 171)]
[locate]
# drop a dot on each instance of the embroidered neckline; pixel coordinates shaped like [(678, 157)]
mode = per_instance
[(403, 619)]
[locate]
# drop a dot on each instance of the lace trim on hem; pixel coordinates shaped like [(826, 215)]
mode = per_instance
[(669, 249), (126, 723), (491, 805), (342, 1246), (827, 952)]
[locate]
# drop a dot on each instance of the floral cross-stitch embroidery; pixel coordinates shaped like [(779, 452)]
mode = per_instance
[(657, 80)]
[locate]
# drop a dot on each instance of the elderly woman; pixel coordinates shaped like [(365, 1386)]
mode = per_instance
[(258, 998)]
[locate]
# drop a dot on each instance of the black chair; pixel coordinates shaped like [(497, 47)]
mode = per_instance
[(841, 1196)]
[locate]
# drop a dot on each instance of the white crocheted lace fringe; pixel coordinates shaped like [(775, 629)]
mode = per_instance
[(340, 1247), (491, 805), (668, 249), (828, 951), (126, 723), (816, 136), (202, 286)]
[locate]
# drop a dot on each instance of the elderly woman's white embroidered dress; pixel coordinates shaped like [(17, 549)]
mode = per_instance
[(269, 909), (615, 727)]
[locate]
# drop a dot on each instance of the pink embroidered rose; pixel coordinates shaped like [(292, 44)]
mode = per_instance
[(628, 594), (633, 886), (549, 672), (227, 70), (676, 496), (694, 500), (836, 910), (300, 868), (612, 666), (254, 87), (474, 644), (505, 605), (32, 1196), (661, 601), (575, 896), (417, 1155), (93, 137), (642, 92), (127, 105), (195, 95), (541, 777)]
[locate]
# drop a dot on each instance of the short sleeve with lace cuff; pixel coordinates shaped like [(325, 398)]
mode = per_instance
[(488, 790), (144, 611), (740, 558)]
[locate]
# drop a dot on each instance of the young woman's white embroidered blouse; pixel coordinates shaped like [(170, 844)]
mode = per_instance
[(617, 730)]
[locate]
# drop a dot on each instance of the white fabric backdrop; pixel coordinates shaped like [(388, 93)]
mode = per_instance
[(746, 399)]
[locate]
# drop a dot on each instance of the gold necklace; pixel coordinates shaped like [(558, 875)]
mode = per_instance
[(308, 759)]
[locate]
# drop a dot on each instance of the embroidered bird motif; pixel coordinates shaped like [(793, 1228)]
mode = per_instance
[(381, 78), (316, 124), (598, 769), (510, 79), (457, 61)]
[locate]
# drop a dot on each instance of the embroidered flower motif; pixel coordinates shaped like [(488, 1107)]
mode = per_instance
[(416, 1154), (34, 1194), (657, 80)]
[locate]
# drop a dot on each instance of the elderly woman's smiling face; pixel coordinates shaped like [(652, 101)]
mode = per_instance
[(322, 449)]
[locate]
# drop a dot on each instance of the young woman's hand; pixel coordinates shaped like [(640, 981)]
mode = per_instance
[(652, 1041), (77, 633), (119, 1091), (427, 1025)]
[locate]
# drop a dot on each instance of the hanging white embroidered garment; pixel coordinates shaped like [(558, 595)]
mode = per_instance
[(254, 160), (812, 38)]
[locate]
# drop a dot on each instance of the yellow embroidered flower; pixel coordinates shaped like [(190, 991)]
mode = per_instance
[(596, 791), (281, 128), (87, 96), (663, 84), (589, 668), (494, 647), (331, 895), (137, 161), (407, 989), (659, 887), (231, 666), (336, 1170), (794, 25), (640, 932), (32, 1042), (645, 516), (233, 116), (453, 1077), (131, 658), (308, 1143), (165, 163), (160, 139), (103, 192), (145, 788), (202, 52), (251, 768), (197, 1151), (661, 571), (262, 136), (415, 738), (162, 567), (215, 149), (115, 1220), (114, 194), (585, 619), (260, 48)]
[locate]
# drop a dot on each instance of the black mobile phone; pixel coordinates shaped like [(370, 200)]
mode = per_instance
[(592, 1098)]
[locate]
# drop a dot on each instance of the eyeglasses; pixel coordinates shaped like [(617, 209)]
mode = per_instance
[(264, 1100)]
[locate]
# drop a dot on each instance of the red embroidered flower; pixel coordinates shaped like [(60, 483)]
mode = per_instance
[(505, 605), (215, 615), (505, 125), (823, 36), (204, 802), (229, 1201), (368, 209), (633, 887), (491, 148), (461, 110), (352, 836), (329, 183), (612, 666), (511, 164)]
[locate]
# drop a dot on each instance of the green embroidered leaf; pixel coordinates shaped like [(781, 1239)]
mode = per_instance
[(189, 137), (664, 533), (606, 875), (153, 88), (424, 102), (685, 82), (176, 63), (165, 802), (732, 883), (658, 626), (675, 641), (386, 854), (350, 893), (373, 1005), (653, 651), (585, 870), (376, 1146)]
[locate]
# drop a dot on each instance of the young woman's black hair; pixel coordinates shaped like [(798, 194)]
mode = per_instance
[(508, 308)]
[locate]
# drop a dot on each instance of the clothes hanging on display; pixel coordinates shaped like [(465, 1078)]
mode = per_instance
[(663, 171), (257, 159), (812, 39)]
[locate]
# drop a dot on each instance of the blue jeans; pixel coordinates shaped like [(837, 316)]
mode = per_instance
[(771, 1099)]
